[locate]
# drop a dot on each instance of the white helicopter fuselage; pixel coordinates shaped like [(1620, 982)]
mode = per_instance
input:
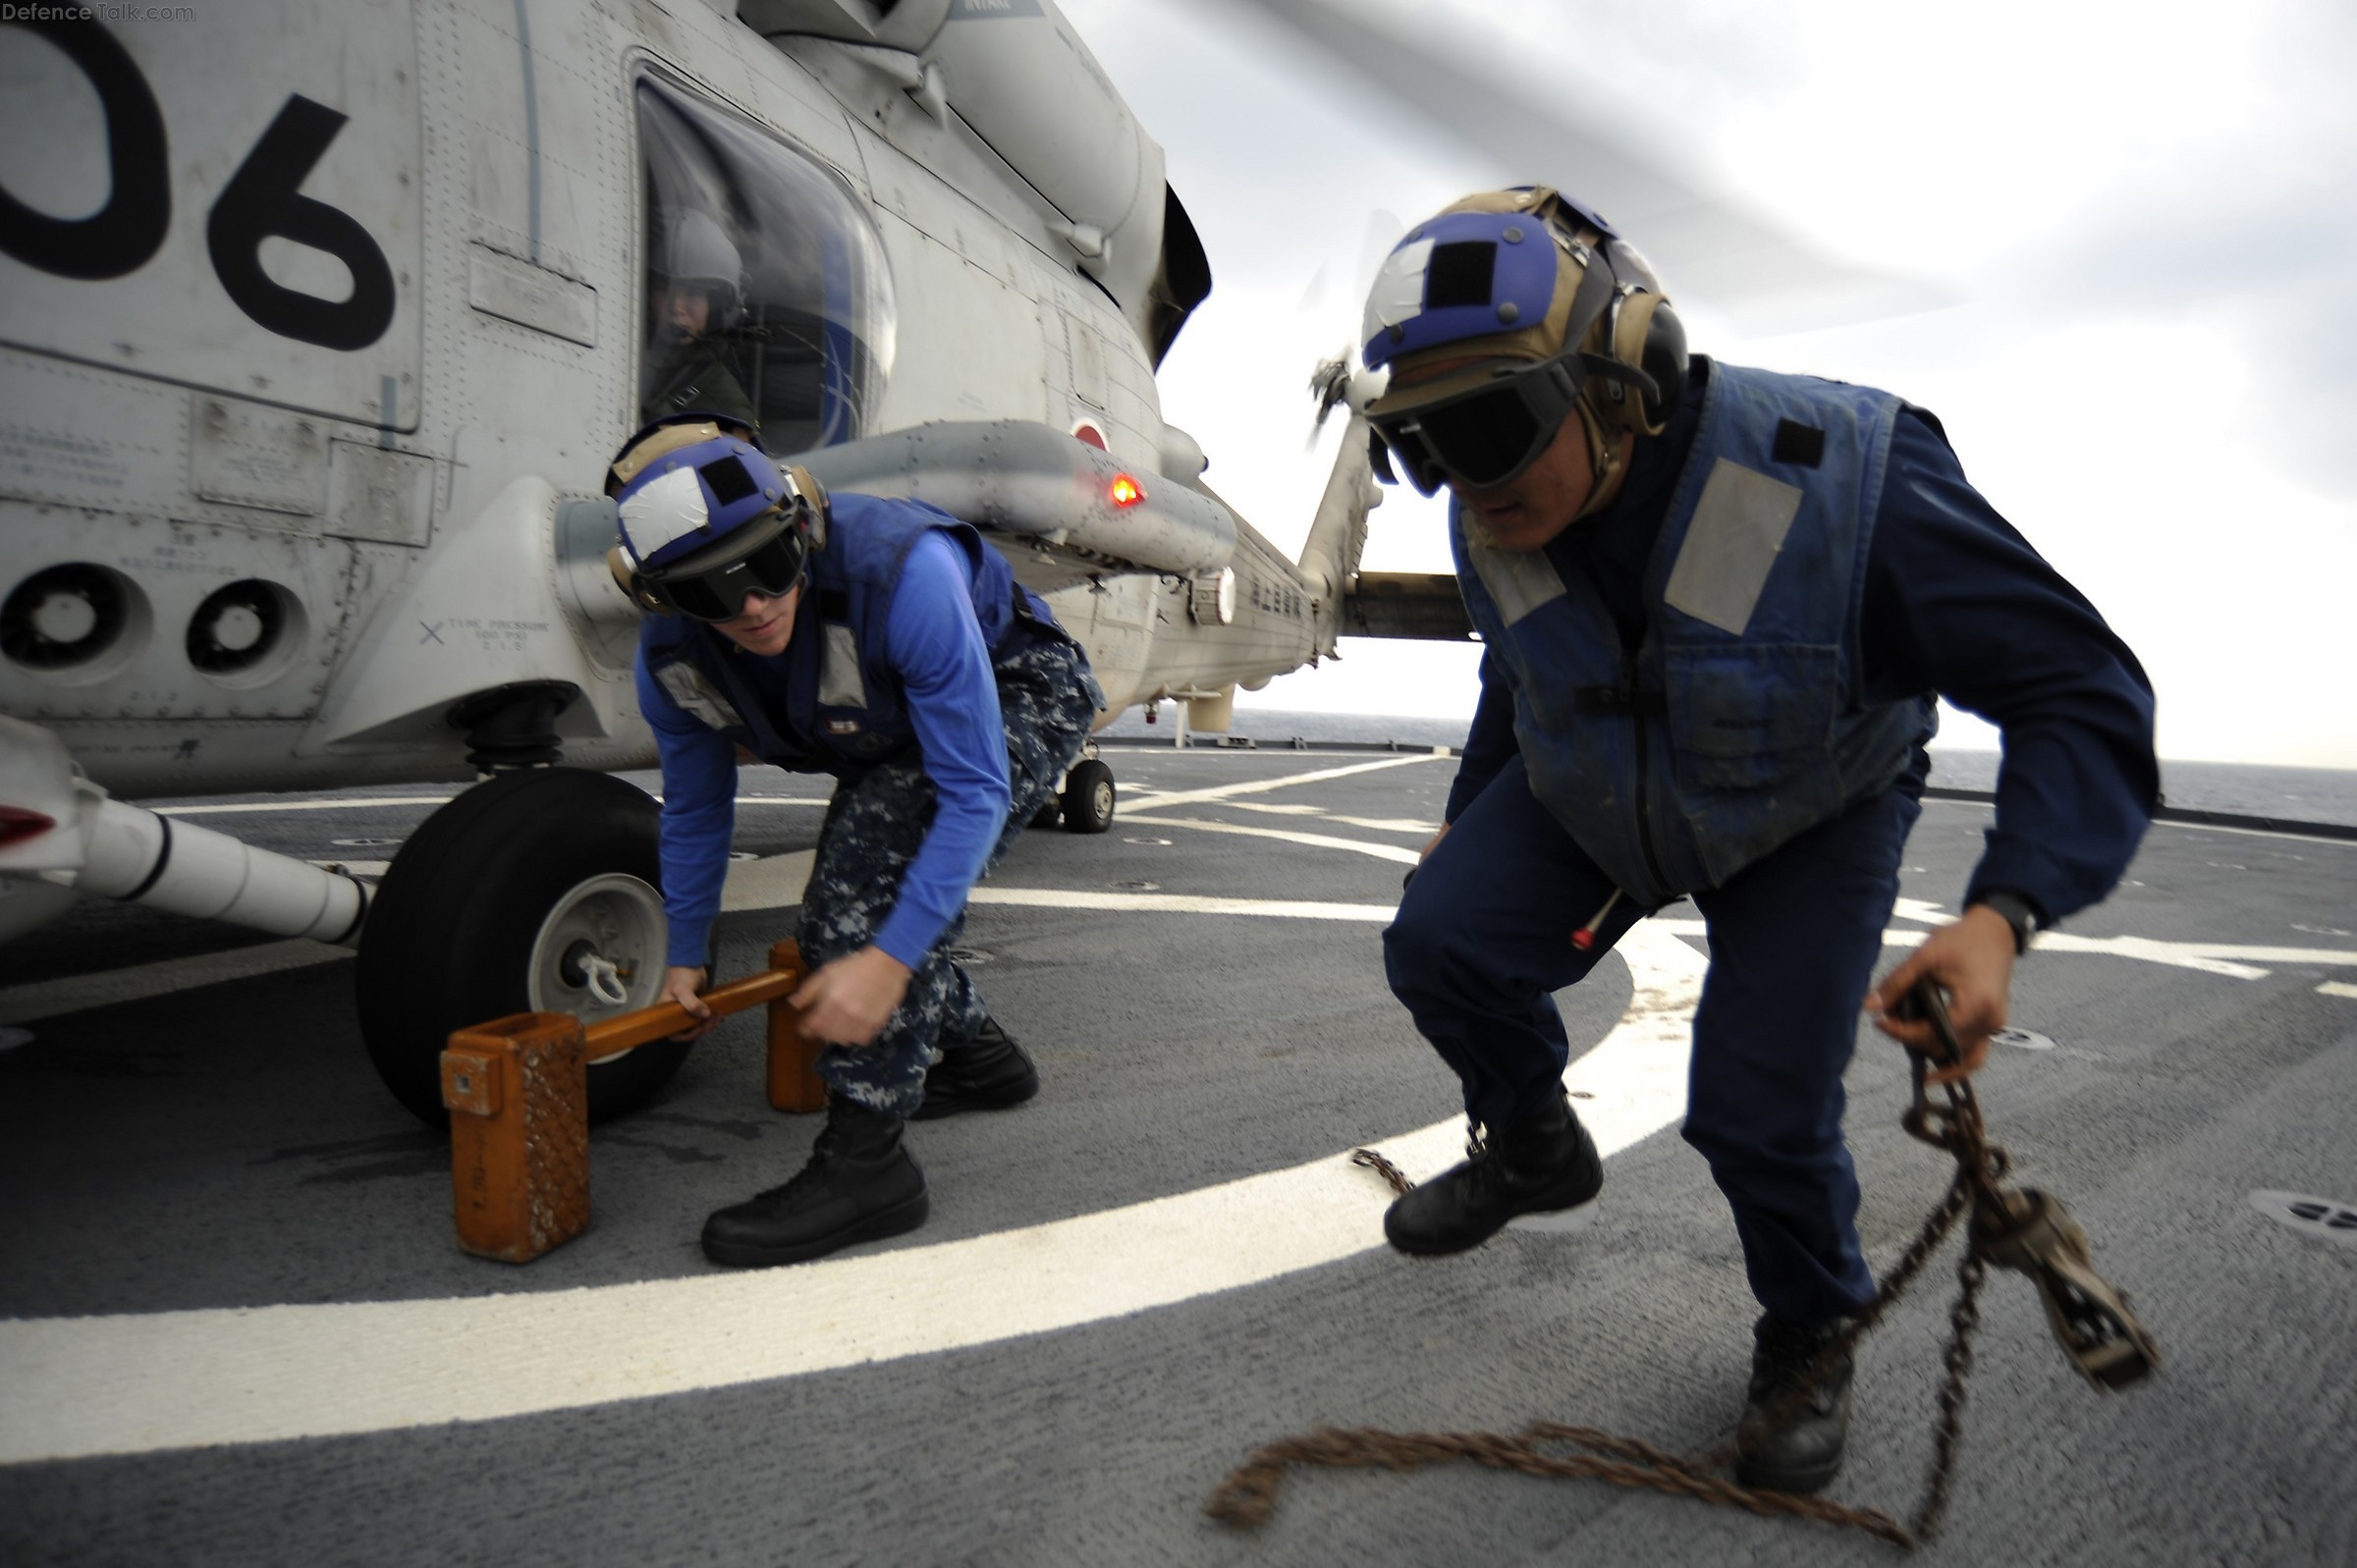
[(329, 313)]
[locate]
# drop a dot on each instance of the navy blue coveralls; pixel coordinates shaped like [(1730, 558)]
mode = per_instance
[(1943, 597)]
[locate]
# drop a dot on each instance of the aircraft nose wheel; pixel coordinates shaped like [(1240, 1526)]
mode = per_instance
[(1088, 798), (535, 891)]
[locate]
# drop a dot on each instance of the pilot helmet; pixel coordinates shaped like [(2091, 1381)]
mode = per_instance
[(706, 517), (1502, 315), (697, 254)]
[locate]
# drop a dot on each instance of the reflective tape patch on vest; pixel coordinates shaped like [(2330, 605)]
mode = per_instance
[(697, 695), (840, 684), (1730, 546), (1520, 581)]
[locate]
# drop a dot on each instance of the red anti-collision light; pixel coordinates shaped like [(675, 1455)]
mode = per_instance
[(17, 825), (1124, 491)]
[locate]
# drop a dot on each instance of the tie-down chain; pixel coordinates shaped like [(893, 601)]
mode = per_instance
[(2018, 1228)]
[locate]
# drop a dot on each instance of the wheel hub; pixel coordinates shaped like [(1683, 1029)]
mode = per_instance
[(600, 951)]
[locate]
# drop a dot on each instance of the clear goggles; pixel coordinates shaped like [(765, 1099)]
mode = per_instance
[(764, 557), (1487, 435)]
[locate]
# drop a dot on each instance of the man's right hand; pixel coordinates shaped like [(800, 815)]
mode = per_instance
[(680, 985)]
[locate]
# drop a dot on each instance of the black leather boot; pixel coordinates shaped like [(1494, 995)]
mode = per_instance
[(1543, 1170), (861, 1184), (1803, 1452), (989, 1072)]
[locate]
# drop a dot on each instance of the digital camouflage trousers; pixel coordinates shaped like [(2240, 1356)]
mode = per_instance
[(873, 828)]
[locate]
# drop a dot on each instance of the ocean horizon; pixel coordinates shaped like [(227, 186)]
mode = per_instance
[(2297, 794)]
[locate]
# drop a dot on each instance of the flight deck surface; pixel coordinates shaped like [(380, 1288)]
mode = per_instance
[(237, 1327)]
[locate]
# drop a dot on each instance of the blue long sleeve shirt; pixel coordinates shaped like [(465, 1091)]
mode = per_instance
[(935, 649), (1956, 602)]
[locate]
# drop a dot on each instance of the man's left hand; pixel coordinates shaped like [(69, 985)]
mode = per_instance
[(849, 999), (1972, 961)]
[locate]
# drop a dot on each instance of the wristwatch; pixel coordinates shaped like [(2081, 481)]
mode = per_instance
[(2019, 913)]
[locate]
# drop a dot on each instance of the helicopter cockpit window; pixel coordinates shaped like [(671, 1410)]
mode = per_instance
[(767, 292)]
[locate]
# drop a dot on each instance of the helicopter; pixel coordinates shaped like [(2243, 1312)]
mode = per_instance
[(319, 323)]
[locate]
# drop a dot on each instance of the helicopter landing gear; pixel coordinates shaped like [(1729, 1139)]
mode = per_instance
[(1088, 798), (534, 892), (515, 725)]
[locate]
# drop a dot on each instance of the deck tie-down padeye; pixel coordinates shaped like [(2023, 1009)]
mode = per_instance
[(518, 1090), (2018, 1228)]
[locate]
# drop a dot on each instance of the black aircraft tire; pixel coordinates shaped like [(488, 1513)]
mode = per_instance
[(1088, 798), (452, 934)]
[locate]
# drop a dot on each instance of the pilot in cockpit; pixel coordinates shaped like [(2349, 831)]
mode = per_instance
[(699, 300)]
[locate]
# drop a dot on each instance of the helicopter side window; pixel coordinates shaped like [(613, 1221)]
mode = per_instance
[(767, 297)]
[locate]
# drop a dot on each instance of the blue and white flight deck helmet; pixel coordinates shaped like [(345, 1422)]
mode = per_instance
[(1500, 316), (707, 518)]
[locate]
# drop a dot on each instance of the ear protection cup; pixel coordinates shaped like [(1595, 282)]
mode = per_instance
[(809, 518), (1647, 336), (617, 564), (1664, 358)]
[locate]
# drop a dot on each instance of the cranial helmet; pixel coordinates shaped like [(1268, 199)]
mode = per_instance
[(697, 253), (1502, 315), (706, 517)]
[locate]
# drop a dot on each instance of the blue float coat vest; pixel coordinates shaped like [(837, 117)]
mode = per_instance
[(1738, 722), (833, 703)]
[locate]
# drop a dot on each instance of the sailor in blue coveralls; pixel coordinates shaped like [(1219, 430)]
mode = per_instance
[(1716, 605), (884, 642)]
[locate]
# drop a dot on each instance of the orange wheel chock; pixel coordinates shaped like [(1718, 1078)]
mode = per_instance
[(518, 1089)]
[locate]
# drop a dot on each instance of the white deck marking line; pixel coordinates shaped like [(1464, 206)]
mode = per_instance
[(1179, 904), (53, 998), (1256, 786), (2117, 946), (1318, 840), (2337, 987), (77, 1388), (776, 881), (1286, 809), (2212, 949), (2209, 957)]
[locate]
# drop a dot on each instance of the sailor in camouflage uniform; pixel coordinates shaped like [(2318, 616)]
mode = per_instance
[(885, 643)]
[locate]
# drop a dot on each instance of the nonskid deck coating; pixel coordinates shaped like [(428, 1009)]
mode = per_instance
[(227, 1149)]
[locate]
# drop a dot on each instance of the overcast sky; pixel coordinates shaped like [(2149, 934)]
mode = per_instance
[(2143, 221)]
